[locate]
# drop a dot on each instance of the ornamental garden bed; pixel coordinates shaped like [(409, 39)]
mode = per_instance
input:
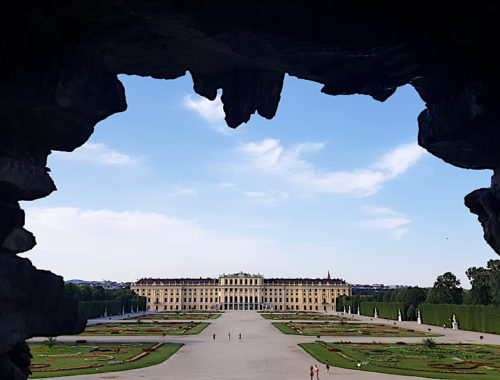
[(69, 359), (444, 361), (149, 328), (177, 316), (305, 316), (347, 329)]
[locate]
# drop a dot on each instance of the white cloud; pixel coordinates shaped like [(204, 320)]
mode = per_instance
[(373, 210), (184, 191), (97, 244), (269, 156), (395, 226), (99, 154), (226, 185), (400, 159), (210, 111), (255, 194)]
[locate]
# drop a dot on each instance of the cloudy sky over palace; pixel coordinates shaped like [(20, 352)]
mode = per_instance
[(165, 189)]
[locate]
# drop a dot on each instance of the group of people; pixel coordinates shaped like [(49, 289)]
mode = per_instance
[(314, 370), (228, 335)]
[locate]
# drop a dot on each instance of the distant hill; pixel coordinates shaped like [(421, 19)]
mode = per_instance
[(81, 282)]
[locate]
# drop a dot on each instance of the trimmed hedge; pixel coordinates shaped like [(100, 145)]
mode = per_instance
[(95, 309), (469, 317), (343, 301), (388, 310)]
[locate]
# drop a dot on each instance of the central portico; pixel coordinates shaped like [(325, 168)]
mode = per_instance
[(241, 291)]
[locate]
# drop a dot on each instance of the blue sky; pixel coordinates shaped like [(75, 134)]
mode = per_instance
[(331, 183)]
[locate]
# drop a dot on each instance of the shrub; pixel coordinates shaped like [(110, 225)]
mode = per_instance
[(50, 342), (429, 343)]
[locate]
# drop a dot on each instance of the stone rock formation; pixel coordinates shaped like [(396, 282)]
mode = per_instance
[(58, 78)]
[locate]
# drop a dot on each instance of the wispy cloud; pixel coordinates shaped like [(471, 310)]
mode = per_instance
[(266, 198), (99, 154), (269, 156), (395, 226), (131, 244), (255, 194), (210, 111), (183, 191), (226, 185), (374, 210)]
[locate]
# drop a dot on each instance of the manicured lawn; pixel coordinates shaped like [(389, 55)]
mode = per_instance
[(177, 316), (468, 361), (147, 328), (347, 329), (304, 316), (62, 359)]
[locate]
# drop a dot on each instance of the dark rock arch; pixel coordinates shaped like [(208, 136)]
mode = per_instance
[(58, 78)]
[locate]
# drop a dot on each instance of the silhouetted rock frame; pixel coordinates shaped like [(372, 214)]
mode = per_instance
[(58, 78)]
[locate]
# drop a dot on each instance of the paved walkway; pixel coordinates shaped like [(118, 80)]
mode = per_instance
[(263, 353)]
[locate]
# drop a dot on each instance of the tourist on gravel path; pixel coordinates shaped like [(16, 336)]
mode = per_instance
[(311, 372), (316, 371), (214, 336), (228, 336), (327, 367)]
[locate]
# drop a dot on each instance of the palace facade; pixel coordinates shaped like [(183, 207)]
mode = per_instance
[(241, 291)]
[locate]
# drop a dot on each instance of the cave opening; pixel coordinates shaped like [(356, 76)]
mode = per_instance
[(308, 183)]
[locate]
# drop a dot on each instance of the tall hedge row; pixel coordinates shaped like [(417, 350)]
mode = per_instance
[(469, 317), (343, 301), (387, 310), (95, 309)]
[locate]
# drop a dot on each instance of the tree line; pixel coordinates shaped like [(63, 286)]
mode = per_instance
[(485, 290), (98, 293)]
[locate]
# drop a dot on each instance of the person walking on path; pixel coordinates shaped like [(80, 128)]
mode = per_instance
[(239, 336), (316, 371), (228, 336), (311, 372), (214, 336), (327, 367)]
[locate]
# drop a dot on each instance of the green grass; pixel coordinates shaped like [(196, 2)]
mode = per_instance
[(142, 329), (347, 329), (443, 362), (177, 316), (304, 316), (79, 352)]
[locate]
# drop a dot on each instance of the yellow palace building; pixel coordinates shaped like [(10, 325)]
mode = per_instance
[(241, 291)]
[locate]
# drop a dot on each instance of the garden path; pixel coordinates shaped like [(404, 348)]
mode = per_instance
[(263, 353)]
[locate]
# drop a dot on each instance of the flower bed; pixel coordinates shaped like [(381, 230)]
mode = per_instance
[(79, 358), (348, 329), (394, 358)]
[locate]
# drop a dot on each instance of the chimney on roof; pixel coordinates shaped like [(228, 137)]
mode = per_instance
[(328, 278)]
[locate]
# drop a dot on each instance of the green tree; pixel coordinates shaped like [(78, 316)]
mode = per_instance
[(494, 281), (480, 293), (411, 313), (446, 290)]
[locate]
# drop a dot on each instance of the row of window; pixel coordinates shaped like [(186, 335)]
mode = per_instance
[(241, 299), (246, 281), (264, 291)]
